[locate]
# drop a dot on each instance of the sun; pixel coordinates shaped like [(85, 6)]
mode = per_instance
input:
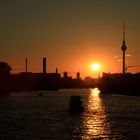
[(95, 66)]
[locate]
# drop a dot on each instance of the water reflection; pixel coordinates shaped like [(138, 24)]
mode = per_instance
[(94, 119)]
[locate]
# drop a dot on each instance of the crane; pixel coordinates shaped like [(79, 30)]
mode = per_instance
[(131, 67)]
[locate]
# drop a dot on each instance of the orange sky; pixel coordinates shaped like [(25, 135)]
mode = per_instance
[(70, 34)]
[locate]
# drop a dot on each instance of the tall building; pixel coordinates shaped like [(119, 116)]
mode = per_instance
[(44, 65), (123, 48)]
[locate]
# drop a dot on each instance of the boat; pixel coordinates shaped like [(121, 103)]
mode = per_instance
[(76, 104)]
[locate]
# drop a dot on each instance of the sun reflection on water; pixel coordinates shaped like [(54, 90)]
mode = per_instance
[(95, 92), (94, 119)]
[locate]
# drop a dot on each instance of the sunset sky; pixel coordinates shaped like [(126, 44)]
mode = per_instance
[(71, 34)]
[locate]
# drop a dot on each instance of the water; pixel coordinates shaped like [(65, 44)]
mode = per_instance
[(26, 116)]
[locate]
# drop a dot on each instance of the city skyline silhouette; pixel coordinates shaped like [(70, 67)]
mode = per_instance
[(69, 69), (70, 34)]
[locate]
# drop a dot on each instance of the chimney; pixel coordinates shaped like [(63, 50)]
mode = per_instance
[(44, 65), (26, 65), (56, 70)]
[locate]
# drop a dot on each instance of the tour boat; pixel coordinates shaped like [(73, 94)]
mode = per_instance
[(76, 104)]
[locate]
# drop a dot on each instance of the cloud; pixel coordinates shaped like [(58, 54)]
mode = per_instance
[(128, 55)]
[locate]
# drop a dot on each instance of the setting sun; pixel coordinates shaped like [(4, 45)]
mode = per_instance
[(95, 66)]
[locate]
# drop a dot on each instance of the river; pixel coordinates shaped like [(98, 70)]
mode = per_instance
[(26, 116)]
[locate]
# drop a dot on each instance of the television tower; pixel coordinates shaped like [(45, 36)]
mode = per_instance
[(123, 48)]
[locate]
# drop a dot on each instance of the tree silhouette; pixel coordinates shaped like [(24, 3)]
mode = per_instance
[(5, 68)]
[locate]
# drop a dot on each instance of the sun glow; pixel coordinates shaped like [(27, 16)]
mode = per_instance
[(95, 66)]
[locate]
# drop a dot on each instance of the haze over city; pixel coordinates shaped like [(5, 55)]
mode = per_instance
[(71, 34)]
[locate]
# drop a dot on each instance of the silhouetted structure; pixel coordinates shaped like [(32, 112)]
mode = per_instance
[(131, 67), (28, 81), (4, 69), (76, 104), (56, 70), (120, 84), (26, 65), (65, 75), (44, 65), (78, 75), (123, 48)]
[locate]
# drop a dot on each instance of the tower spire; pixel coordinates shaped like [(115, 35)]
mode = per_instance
[(124, 31)]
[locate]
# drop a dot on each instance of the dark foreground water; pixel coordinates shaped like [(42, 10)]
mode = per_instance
[(26, 116)]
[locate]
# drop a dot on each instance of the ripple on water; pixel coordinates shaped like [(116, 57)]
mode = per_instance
[(46, 117)]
